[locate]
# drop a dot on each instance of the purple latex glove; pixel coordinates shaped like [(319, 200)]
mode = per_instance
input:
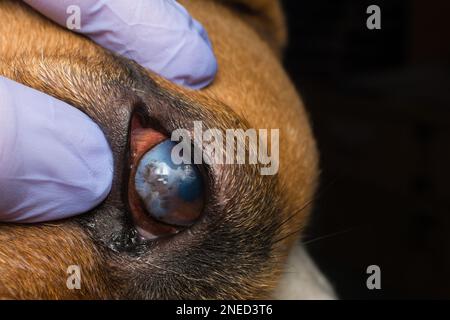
[(54, 161), (158, 34)]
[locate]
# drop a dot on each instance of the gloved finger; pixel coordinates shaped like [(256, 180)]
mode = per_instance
[(55, 161), (158, 34)]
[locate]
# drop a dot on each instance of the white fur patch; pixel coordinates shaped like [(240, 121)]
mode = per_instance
[(302, 280)]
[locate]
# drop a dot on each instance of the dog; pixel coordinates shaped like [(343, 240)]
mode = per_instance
[(246, 243)]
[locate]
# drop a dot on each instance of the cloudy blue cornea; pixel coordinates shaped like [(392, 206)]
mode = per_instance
[(171, 193)]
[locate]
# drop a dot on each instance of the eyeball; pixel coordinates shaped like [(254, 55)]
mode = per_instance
[(171, 193)]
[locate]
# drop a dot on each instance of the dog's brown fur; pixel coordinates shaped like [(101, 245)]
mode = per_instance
[(238, 250)]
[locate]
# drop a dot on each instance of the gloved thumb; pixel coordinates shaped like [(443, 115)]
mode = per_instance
[(55, 161)]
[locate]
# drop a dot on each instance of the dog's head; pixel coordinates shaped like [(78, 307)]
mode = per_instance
[(248, 222)]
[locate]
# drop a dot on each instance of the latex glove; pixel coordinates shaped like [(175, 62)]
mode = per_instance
[(54, 161), (158, 34)]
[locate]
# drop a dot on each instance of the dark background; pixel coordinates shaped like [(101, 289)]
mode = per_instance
[(379, 102)]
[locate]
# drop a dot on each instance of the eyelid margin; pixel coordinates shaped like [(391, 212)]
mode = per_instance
[(141, 140)]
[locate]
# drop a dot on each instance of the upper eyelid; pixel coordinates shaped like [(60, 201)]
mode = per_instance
[(169, 110)]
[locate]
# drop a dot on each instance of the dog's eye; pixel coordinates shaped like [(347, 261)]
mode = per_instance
[(170, 193), (163, 197)]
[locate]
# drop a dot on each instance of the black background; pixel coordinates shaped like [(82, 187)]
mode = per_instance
[(379, 102)]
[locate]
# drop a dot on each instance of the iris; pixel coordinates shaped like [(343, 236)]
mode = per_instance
[(170, 193)]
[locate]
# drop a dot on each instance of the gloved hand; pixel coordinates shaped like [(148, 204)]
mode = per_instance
[(54, 161), (158, 34)]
